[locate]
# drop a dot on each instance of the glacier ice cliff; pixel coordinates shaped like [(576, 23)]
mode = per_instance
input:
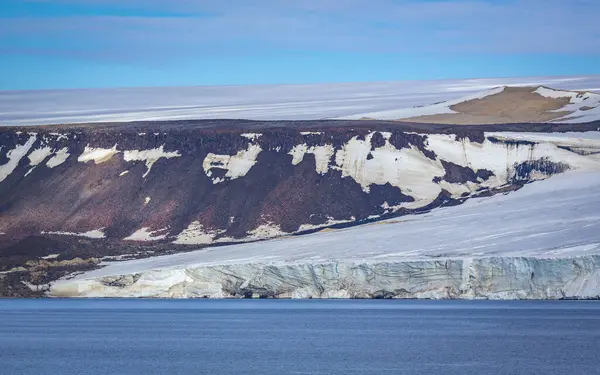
[(470, 278)]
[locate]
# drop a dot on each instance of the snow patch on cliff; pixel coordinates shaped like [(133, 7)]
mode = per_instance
[(146, 235), (237, 165), (149, 156), (267, 230), (51, 256), (502, 158), (96, 233), (251, 136), (59, 157), (59, 136), (14, 157), (196, 234), (322, 155), (97, 155), (39, 155), (408, 168)]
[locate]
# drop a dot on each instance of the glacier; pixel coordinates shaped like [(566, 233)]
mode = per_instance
[(258, 102), (540, 242)]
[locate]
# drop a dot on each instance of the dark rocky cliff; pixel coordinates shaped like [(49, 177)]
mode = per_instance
[(73, 195)]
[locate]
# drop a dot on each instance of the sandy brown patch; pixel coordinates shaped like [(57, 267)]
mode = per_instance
[(327, 230), (513, 105)]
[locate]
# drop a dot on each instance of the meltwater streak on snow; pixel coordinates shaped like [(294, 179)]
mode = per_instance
[(264, 102), (551, 218)]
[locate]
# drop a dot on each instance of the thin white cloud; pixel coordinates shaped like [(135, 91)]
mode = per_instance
[(256, 26)]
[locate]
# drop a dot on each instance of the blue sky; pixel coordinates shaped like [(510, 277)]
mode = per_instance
[(114, 43)]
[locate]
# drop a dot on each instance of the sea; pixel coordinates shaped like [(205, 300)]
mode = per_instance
[(105, 336)]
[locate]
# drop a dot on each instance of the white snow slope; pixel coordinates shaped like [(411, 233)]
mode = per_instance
[(541, 242), (265, 102), (583, 107)]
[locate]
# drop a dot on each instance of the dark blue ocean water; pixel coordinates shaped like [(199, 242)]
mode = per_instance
[(298, 337)]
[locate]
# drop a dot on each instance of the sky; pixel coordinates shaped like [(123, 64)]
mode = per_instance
[(53, 44)]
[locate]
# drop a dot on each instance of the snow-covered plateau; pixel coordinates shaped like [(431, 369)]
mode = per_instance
[(541, 242), (262, 102)]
